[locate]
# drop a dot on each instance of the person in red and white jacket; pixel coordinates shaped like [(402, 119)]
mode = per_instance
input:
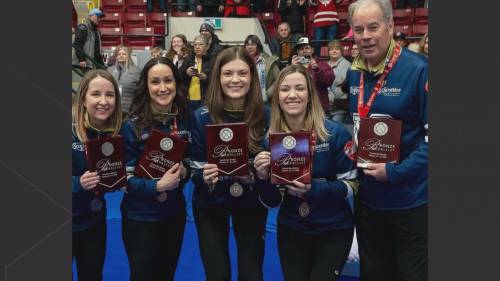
[(325, 21)]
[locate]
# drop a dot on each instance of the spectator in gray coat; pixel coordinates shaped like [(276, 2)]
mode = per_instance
[(338, 99), (126, 74)]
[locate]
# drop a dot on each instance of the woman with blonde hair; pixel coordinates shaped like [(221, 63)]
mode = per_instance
[(126, 73), (315, 221), (96, 113), (233, 96)]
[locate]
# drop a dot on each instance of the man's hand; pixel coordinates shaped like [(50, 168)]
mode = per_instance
[(199, 8), (295, 60), (313, 63), (376, 170), (221, 8)]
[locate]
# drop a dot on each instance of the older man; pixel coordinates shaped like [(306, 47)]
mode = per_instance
[(387, 81), (88, 41), (283, 45)]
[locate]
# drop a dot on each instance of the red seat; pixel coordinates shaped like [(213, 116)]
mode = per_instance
[(324, 52), (421, 16), (111, 37), (402, 16), (137, 6), (113, 6), (134, 20), (111, 20), (139, 36), (406, 29), (265, 16), (157, 21), (420, 29), (183, 14)]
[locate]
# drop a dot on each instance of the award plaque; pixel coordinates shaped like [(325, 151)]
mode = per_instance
[(290, 157), (378, 141), (227, 146), (161, 152), (105, 156)]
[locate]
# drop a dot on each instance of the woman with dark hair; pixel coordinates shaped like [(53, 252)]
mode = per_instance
[(233, 96), (179, 50), (126, 74), (267, 66), (315, 221), (195, 72), (96, 113), (153, 211)]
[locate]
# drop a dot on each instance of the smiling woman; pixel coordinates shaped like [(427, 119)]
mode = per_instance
[(153, 210), (96, 113), (233, 96)]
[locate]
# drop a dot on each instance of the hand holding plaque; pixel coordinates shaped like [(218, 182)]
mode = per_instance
[(161, 152), (290, 157), (105, 156), (227, 147), (378, 141)]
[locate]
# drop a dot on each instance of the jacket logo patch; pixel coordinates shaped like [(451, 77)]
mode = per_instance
[(78, 146), (354, 90), (350, 150)]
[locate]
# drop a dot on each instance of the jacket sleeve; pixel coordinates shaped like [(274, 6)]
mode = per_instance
[(417, 162), (80, 38), (76, 186), (197, 151), (345, 183), (136, 185)]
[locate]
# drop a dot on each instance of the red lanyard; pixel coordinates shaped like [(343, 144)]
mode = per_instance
[(362, 108)]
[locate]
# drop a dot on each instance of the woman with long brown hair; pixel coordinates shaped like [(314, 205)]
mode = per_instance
[(153, 210), (96, 113), (315, 221), (233, 96)]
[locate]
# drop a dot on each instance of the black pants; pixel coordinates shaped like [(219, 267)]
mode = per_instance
[(153, 248), (313, 257), (89, 250), (392, 244), (210, 11), (249, 226)]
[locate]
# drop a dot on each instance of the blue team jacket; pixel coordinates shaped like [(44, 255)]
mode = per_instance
[(140, 201), (83, 216), (221, 196), (327, 199), (403, 97)]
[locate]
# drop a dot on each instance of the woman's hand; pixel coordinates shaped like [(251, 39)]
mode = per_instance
[(89, 180), (210, 174), (261, 163), (170, 179), (298, 189), (202, 76), (190, 71)]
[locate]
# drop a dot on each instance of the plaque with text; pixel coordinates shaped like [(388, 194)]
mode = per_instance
[(227, 146), (161, 152), (105, 155), (378, 141), (290, 157)]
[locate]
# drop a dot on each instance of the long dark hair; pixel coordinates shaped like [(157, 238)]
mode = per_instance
[(254, 39), (141, 104), (254, 106)]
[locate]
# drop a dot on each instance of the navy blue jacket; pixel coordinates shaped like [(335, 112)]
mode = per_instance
[(327, 199), (140, 201), (221, 196), (83, 216), (403, 97)]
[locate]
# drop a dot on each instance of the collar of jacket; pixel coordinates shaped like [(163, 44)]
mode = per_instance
[(86, 123), (164, 118), (360, 64)]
